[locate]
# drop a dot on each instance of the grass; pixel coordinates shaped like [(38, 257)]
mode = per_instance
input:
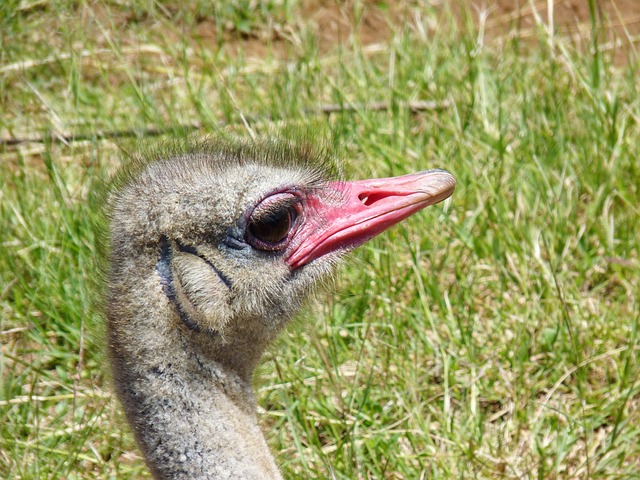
[(493, 336)]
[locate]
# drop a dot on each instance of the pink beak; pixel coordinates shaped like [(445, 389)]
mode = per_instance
[(364, 209)]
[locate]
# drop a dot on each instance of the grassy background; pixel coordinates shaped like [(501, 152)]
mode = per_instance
[(493, 336)]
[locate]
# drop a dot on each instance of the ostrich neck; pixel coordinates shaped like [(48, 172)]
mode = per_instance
[(189, 399)]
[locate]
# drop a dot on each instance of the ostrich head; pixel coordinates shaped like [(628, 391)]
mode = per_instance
[(236, 234)]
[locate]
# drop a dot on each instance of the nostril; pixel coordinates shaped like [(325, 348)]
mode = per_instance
[(369, 198)]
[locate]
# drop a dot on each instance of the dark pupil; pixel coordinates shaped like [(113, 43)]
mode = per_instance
[(273, 227)]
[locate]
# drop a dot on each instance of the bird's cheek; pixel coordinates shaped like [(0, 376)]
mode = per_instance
[(201, 295)]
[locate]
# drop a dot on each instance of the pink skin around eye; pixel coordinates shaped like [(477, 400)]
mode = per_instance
[(363, 209)]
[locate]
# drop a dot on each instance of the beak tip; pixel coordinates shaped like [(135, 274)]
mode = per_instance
[(439, 181)]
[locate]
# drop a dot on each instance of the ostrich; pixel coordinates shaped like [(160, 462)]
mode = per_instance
[(212, 248)]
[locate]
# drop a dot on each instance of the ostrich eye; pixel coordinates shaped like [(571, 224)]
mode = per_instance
[(272, 222)]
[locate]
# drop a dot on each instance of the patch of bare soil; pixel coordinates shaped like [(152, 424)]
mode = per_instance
[(334, 21), (567, 15), (616, 21)]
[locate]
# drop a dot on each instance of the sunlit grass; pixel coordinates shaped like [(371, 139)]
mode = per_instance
[(494, 335)]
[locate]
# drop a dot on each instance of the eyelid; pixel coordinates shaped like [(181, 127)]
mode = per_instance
[(273, 206)]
